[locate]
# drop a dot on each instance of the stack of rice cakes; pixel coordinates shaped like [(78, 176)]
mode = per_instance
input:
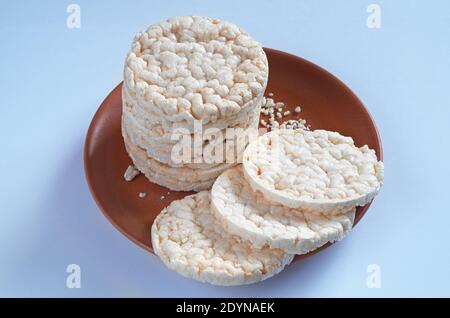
[(184, 73)]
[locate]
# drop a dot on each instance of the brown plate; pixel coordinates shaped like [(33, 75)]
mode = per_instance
[(325, 101)]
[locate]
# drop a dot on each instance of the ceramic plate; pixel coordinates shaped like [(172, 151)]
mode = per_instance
[(325, 101)]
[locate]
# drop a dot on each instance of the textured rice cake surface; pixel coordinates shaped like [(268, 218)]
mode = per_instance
[(191, 241), (161, 149), (319, 171), (186, 172), (146, 117), (178, 185), (199, 68), (174, 178), (249, 215)]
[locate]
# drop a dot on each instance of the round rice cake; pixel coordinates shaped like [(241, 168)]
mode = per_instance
[(173, 178), (162, 148), (187, 173), (195, 67), (174, 184), (166, 124), (318, 171), (249, 215), (190, 240)]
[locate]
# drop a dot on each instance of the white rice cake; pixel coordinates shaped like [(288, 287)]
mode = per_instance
[(178, 185), (158, 132), (161, 149), (191, 241), (252, 217), (318, 171), (154, 120), (195, 68), (174, 178)]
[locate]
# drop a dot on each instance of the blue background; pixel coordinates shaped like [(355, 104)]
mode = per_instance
[(52, 80)]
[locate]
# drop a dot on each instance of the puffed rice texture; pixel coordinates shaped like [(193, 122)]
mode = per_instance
[(191, 241), (320, 171), (195, 67), (252, 217)]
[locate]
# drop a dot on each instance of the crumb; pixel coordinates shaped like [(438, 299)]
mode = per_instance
[(131, 173), (270, 94), (274, 111), (162, 197), (142, 194), (295, 124), (269, 103)]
